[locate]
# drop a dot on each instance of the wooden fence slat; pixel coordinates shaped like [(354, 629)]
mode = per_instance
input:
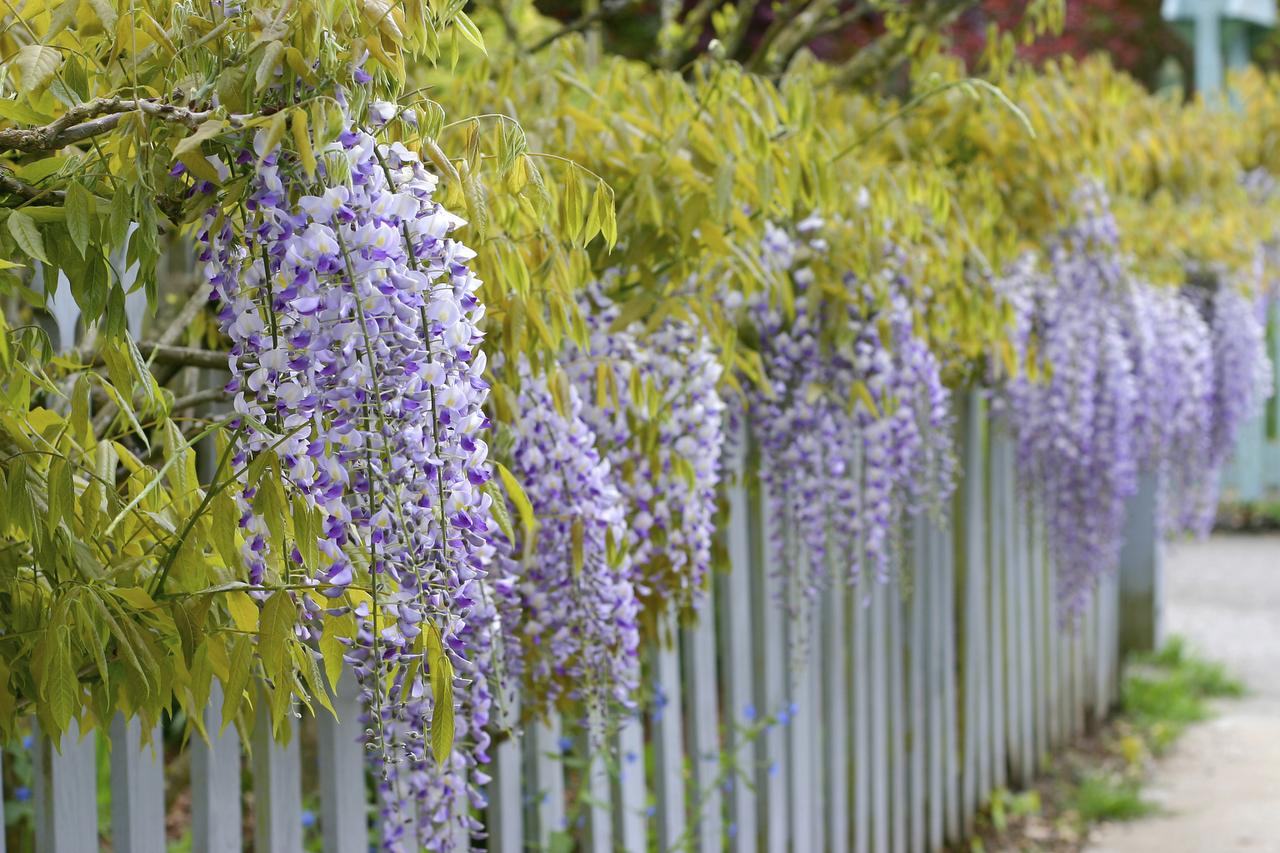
[(66, 792), (997, 527), (931, 581), (548, 777), (1043, 593), (811, 718), (917, 696), (798, 647), (137, 788), (775, 691), (897, 720), (699, 643), (277, 787), (668, 728), (600, 813), (506, 793), (880, 789), (835, 733), (977, 777), (860, 616), (344, 815), (215, 784), (947, 626), (632, 819), (1027, 661), (737, 644)]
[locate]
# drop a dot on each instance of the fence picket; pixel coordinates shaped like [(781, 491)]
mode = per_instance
[(836, 697), (632, 819), (668, 728), (997, 525), (137, 788), (797, 718), (860, 616), (976, 716), (699, 643), (344, 818), (506, 797), (600, 815), (811, 717), (215, 784), (930, 574), (548, 777), (917, 697), (66, 793), (897, 720), (277, 787), (946, 625), (737, 644), (775, 691), (880, 829)]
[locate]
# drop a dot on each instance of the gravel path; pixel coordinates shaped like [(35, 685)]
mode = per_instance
[(1219, 789)]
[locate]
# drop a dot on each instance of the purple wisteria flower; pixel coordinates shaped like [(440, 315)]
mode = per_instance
[(357, 375), (568, 607), (854, 429), (1077, 430), (654, 404)]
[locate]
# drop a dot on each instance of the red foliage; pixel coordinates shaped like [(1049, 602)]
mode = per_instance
[(1131, 31)]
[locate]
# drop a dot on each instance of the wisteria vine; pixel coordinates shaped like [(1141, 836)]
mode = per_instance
[(357, 372), (1122, 377)]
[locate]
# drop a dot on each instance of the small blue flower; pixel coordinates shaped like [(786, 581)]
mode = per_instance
[(27, 742), (566, 744), (749, 712), (22, 794), (308, 818)]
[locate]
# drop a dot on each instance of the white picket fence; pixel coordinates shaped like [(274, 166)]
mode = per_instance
[(915, 702)]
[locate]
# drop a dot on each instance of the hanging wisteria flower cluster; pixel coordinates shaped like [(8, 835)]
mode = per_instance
[(654, 404), (853, 430), (567, 602), (1134, 378), (356, 369)]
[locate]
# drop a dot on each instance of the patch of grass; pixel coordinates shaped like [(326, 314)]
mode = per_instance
[(1102, 797), (1100, 778), (1165, 691)]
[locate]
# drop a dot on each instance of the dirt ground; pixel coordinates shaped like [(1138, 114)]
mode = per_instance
[(1219, 788)]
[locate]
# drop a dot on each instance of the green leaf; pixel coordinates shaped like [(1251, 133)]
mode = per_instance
[(441, 695), (525, 509), (266, 73), (106, 12), (62, 684), (275, 631), (336, 628), (240, 669), (61, 491), (37, 64), (222, 510), (24, 230), (499, 509), (21, 113), (191, 144), (469, 31), (79, 205)]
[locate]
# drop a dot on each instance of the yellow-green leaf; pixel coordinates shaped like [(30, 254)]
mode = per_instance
[(441, 696), (302, 141), (275, 631), (24, 230), (37, 63)]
